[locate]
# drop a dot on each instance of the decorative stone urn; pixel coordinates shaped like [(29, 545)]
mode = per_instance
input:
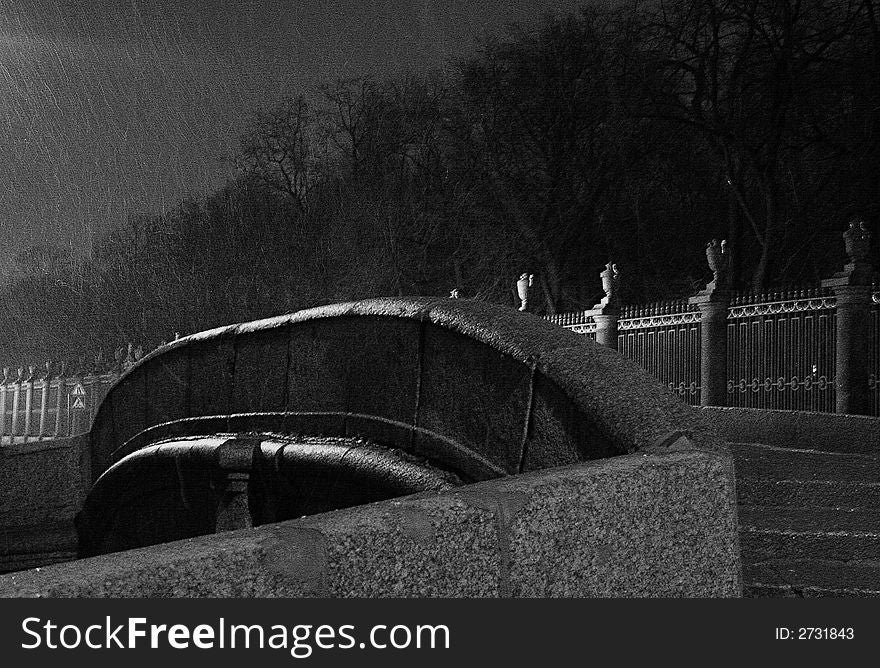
[(719, 262), (610, 283), (522, 289)]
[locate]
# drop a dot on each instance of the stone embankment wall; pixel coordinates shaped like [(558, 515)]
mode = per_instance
[(42, 487), (636, 525)]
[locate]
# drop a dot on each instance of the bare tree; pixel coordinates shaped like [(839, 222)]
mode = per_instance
[(279, 149), (750, 77), (551, 139)]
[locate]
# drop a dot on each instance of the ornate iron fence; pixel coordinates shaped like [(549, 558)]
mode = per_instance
[(780, 347), (39, 403), (780, 351), (577, 321), (664, 339)]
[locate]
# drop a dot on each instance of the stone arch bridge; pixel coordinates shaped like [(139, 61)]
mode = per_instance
[(472, 405)]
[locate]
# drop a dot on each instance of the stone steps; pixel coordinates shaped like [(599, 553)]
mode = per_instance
[(755, 461), (785, 532), (808, 493), (809, 522), (812, 578)]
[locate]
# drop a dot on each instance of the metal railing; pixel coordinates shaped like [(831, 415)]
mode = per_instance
[(664, 339), (39, 408), (40, 403), (781, 347), (780, 351)]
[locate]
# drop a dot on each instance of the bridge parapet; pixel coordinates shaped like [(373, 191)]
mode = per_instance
[(482, 389)]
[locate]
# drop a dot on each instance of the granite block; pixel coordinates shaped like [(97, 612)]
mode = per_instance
[(474, 395), (631, 526), (434, 547), (383, 366), (317, 378), (129, 406), (212, 369), (261, 366), (167, 387)]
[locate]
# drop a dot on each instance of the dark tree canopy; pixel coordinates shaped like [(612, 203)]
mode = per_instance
[(634, 133)]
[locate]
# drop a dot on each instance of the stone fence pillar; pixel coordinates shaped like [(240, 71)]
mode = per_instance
[(713, 347), (852, 288), (713, 302), (606, 328)]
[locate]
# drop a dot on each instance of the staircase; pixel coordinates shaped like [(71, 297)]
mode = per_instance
[(809, 521)]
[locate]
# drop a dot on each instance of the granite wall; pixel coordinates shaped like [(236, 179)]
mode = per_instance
[(641, 525), (42, 487)]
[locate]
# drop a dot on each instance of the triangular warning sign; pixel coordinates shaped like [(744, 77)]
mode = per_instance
[(79, 403), (78, 390)]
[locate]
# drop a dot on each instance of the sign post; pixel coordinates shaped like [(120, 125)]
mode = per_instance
[(77, 410)]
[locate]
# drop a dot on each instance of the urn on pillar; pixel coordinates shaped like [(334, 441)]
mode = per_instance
[(719, 262), (522, 289), (607, 311), (610, 283), (857, 243)]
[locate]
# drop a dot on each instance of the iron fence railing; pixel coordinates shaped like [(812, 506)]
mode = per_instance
[(577, 321), (780, 347), (39, 403), (35, 409), (781, 351), (664, 339)]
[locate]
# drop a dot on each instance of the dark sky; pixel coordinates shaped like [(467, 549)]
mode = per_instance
[(117, 108)]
